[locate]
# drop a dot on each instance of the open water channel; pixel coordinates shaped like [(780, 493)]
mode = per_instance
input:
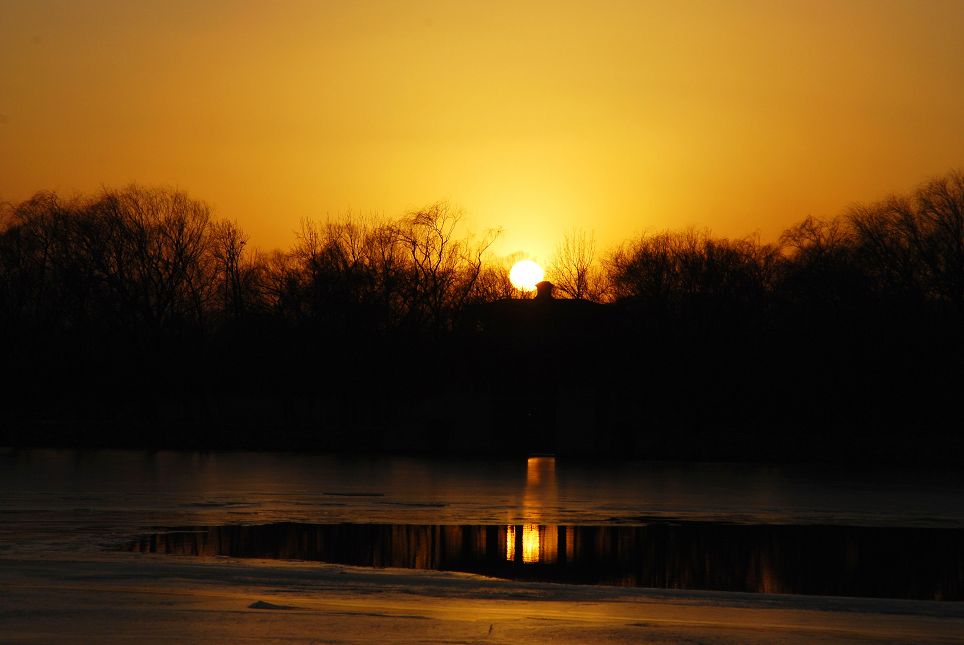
[(886, 532)]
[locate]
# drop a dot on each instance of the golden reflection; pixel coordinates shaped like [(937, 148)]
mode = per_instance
[(539, 543), (530, 542), (539, 469), (533, 541)]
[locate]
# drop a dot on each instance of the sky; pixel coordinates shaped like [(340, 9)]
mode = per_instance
[(540, 117)]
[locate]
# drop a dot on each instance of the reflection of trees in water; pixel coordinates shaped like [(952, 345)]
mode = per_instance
[(821, 560)]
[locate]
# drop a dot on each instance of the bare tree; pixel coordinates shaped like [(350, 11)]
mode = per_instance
[(940, 209), (815, 237), (493, 282), (914, 246), (283, 285), (444, 268), (676, 266), (573, 270), (228, 242), (157, 260)]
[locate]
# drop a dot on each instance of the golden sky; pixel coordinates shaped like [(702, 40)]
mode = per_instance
[(616, 117)]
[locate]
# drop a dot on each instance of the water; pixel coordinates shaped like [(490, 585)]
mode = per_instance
[(887, 562), (691, 518)]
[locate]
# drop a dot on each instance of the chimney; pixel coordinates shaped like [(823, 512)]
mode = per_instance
[(544, 290)]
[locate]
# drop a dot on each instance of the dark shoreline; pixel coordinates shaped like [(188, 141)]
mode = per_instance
[(132, 318)]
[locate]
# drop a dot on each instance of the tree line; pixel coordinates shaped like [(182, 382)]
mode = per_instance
[(147, 261), (135, 315)]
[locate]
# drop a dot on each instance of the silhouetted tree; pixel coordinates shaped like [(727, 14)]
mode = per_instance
[(913, 247), (444, 268), (237, 273), (135, 309), (573, 270), (157, 260), (673, 269), (493, 281)]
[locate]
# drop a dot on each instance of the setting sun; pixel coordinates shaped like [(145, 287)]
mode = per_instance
[(525, 275)]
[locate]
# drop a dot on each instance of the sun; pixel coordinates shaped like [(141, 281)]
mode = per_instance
[(525, 275)]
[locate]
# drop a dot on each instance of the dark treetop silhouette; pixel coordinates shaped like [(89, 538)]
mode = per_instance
[(132, 318)]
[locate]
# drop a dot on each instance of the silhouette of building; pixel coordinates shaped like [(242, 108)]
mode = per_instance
[(538, 363)]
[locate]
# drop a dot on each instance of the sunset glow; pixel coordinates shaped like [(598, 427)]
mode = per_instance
[(535, 117)]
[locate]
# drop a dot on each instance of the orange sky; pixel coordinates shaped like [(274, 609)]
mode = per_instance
[(616, 117)]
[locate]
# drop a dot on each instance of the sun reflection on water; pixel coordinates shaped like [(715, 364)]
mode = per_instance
[(537, 542), (531, 543)]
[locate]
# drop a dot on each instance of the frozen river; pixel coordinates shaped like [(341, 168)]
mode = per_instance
[(82, 500), (117, 524)]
